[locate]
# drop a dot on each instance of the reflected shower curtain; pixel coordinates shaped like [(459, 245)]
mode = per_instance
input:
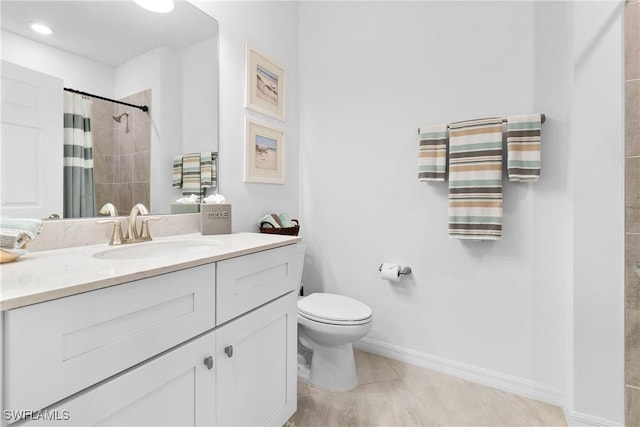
[(79, 194)]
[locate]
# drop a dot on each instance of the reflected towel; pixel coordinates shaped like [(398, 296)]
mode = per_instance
[(432, 153), (207, 170), (177, 172), (523, 147), (475, 179), (191, 174)]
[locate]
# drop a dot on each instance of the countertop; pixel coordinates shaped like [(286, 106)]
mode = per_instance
[(47, 275)]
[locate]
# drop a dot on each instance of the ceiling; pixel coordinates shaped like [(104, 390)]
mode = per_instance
[(110, 32)]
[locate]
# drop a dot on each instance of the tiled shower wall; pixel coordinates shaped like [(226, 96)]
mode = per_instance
[(121, 158), (103, 148), (632, 209)]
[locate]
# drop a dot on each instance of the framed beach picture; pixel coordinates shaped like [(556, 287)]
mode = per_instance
[(265, 84), (263, 153)]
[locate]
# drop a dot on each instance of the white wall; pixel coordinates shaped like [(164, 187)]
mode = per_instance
[(272, 29), (597, 174), (497, 306), (165, 111), (521, 313), (76, 71), (200, 96)]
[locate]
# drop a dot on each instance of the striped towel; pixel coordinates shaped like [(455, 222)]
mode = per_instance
[(177, 172), (432, 153), (191, 174), (207, 170), (475, 179), (523, 147)]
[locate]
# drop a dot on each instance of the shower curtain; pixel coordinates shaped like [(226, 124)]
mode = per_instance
[(79, 194)]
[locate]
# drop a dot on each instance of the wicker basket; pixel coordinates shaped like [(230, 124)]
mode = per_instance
[(267, 228)]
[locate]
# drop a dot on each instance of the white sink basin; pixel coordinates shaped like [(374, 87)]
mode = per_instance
[(155, 249)]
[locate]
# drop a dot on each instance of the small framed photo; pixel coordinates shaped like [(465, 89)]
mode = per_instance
[(263, 153), (265, 84)]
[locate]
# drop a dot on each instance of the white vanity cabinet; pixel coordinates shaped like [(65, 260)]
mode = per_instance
[(155, 352), (174, 389), (256, 365), (256, 351)]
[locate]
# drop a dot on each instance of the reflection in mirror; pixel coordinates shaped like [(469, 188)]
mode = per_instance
[(113, 153)]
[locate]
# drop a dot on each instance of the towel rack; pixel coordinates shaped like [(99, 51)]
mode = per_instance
[(543, 118)]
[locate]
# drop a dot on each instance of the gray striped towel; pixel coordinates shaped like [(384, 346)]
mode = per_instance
[(208, 170), (475, 179), (177, 171), (523, 147), (432, 153)]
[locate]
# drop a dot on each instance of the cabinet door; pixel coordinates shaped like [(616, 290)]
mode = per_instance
[(256, 366), (174, 389)]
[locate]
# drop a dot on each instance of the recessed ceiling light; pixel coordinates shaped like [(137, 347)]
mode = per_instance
[(159, 6), (41, 29)]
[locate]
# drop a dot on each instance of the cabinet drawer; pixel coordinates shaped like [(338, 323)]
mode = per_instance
[(57, 348), (249, 281)]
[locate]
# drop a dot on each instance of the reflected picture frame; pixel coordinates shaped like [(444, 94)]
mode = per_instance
[(265, 84), (263, 153)]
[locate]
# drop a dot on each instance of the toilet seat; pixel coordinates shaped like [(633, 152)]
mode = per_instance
[(334, 309)]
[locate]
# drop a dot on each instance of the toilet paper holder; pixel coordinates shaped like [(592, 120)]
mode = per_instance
[(401, 270)]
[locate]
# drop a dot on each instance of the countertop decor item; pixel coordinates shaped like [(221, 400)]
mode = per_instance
[(6, 256), (268, 228)]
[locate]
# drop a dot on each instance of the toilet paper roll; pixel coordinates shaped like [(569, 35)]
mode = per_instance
[(390, 272)]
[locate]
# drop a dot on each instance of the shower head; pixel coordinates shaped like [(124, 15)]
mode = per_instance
[(119, 118)]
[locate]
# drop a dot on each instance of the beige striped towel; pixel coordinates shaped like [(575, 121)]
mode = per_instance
[(191, 174), (475, 179), (432, 153), (523, 147)]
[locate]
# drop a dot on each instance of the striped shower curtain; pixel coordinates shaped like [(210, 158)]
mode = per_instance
[(79, 193)]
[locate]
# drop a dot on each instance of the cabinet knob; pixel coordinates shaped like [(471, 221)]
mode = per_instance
[(208, 362), (228, 350)]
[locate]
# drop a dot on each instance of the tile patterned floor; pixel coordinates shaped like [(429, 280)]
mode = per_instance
[(392, 393)]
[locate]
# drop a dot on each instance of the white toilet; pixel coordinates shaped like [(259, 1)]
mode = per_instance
[(328, 325)]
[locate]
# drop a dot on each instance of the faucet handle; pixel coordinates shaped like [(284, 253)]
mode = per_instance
[(116, 234), (145, 234)]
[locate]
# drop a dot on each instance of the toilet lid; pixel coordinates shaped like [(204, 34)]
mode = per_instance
[(333, 308)]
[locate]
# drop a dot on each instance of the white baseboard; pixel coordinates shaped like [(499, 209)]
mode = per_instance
[(579, 419), (508, 383), (472, 373)]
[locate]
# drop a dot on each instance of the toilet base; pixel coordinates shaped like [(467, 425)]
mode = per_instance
[(333, 367)]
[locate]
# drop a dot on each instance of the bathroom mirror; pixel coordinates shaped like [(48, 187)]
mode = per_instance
[(120, 51)]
